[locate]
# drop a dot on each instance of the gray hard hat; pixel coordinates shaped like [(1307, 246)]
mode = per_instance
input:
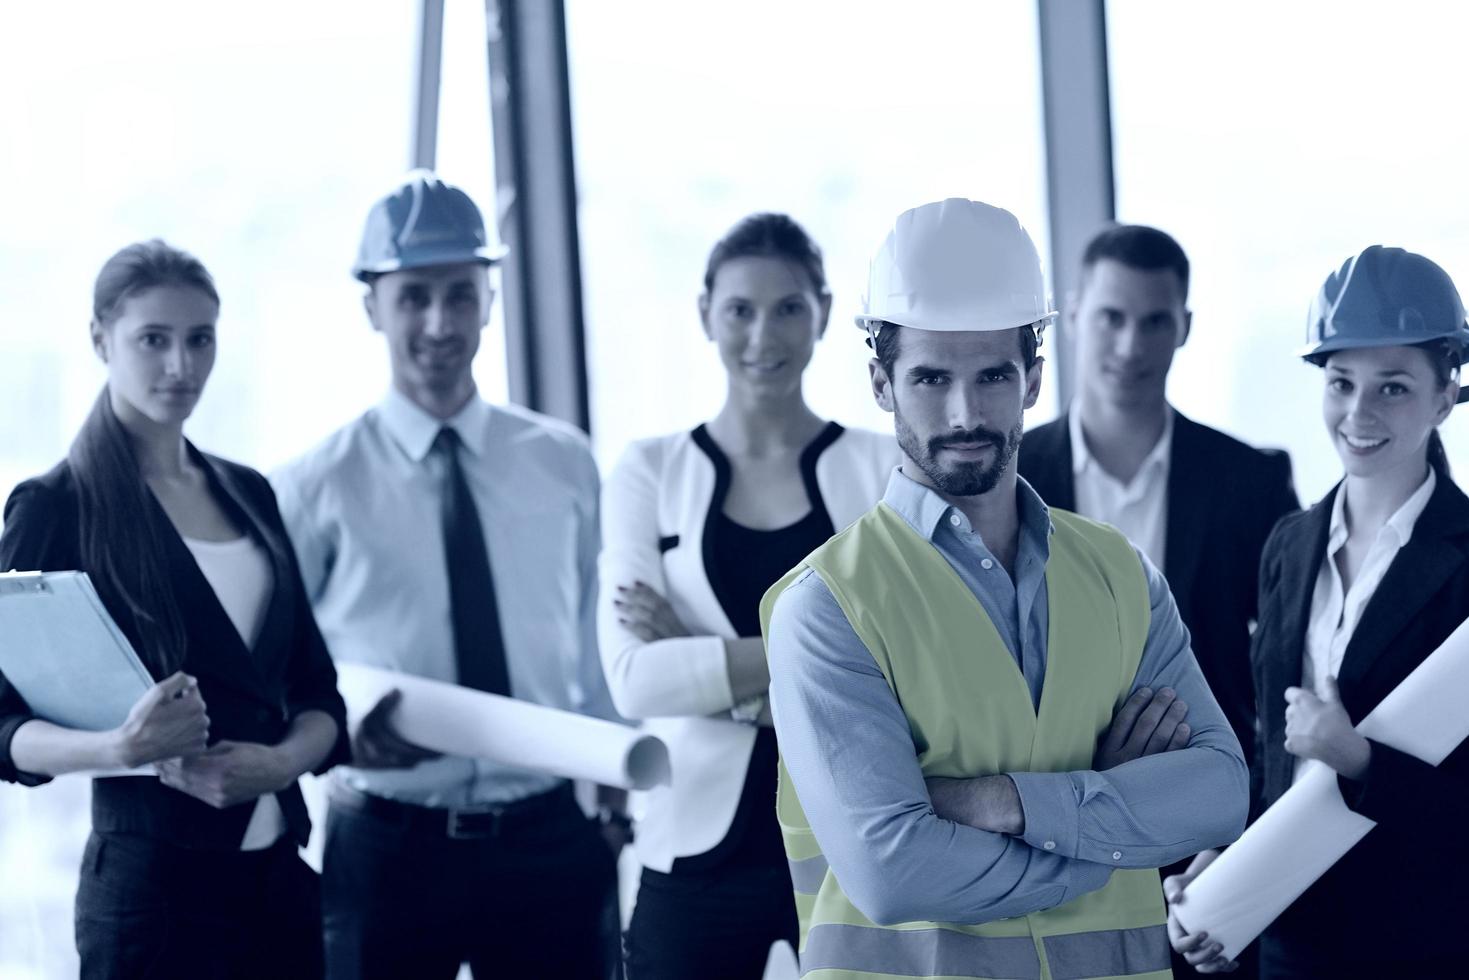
[(1385, 297), (423, 222)]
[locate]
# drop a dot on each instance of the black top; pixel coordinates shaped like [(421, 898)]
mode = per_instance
[(1400, 888), (742, 564), (1223, 498), (253, 694)]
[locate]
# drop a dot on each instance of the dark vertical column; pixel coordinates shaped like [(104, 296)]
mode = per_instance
[(530, 108)]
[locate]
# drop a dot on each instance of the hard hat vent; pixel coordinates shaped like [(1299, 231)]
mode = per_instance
[(424, 222)]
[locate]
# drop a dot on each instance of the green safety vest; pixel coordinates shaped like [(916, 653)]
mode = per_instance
[(971, 714)]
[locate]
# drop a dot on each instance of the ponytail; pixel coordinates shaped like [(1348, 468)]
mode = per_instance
[(1438, 457), (122, 531)]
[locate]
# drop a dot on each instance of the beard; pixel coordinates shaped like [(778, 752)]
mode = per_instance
[(961, 479)]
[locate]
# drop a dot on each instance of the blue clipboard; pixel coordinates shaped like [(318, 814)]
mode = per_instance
[(64, 654)]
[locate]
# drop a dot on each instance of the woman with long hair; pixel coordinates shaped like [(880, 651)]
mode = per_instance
[(696, 526), (191, 870), (1354, 594)]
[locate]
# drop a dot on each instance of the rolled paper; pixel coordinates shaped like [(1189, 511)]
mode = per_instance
[(465, 722), (1310, 827)]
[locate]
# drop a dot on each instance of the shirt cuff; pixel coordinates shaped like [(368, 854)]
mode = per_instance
[(1052, 819)]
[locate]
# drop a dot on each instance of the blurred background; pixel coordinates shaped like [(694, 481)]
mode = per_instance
[(615, 142)]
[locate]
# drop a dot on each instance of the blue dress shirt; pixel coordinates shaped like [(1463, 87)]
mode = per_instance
[(362, 510), (848, 747)]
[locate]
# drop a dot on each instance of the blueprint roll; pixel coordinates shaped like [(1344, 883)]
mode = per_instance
[(1310, 827), (461, 721)]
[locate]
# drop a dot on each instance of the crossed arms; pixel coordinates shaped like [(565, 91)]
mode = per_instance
[(1002, 845)]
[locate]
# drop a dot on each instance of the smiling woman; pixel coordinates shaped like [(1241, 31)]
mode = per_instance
[(696, 526)]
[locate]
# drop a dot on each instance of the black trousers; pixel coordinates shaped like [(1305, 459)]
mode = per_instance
[(1329, 956), (518, 896), (150, 909), (713, 925)]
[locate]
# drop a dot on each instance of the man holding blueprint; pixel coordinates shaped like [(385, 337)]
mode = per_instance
[(450, 539)]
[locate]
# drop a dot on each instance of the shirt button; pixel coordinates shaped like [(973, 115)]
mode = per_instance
[(1049, 845), (987, 564), (1117, 855), (954, 519)]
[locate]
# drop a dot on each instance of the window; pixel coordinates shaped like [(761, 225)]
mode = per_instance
[(841, 121), (1273, 153), (255, 136)]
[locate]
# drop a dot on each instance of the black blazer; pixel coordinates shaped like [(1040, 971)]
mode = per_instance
[(1223, 498), (1401, 888), (252, 695)]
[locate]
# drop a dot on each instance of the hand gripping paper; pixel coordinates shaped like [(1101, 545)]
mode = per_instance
[(1310, 827), (460, 721)]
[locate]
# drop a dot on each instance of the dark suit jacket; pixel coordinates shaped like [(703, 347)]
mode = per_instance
[(1223, 499), (252, 695), (1400, 891)]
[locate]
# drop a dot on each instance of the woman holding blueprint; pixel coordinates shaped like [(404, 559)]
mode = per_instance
[(193, 871), (1354, 594)]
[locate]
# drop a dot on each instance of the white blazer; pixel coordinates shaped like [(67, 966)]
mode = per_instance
[(654, 509)]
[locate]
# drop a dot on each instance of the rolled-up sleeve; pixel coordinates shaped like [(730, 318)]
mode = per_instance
[(686, 675), (1160, 808), (847, 745)]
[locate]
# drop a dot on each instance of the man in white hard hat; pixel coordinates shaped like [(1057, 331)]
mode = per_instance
[(445, 537), (979, 700)]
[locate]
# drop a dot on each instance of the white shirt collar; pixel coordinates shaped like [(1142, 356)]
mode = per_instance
[(1400, 524), (414, 430), (1083, 460)]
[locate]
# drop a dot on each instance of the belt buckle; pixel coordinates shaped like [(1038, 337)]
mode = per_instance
[(474, 822)]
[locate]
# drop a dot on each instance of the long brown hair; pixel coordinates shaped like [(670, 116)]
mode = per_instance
[(120, 526)]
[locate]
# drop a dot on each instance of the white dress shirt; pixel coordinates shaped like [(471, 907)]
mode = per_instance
[(1335, 612), (363, 513), (1139, 508), (239, 573)]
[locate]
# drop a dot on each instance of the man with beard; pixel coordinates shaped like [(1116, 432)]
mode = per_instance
[(980, 702), (445, 537)]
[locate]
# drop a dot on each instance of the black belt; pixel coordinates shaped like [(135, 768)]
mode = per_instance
[(474, 822)]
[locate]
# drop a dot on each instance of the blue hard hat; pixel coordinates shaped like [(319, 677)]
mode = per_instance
[(423, 222), (1385, 297)]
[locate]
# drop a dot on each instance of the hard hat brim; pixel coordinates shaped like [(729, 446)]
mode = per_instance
[(866, 321), (485, 255), (1362, 343)]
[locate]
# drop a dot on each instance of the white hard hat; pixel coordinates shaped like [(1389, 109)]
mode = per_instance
[(956, 265)]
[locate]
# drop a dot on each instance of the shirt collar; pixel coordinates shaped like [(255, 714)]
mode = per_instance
[(925, 510), (415, 430), (1082, 459), (1400, 524)]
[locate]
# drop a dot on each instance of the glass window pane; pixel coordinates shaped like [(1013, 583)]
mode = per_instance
[(255, 135), (1273, 153), (690, 116)]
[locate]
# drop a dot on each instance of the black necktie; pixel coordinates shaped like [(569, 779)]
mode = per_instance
[(479, 649)]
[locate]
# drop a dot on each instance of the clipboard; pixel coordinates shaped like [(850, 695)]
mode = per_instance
[(63, 652)]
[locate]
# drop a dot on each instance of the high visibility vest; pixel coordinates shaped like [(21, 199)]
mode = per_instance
[(970, 714)]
